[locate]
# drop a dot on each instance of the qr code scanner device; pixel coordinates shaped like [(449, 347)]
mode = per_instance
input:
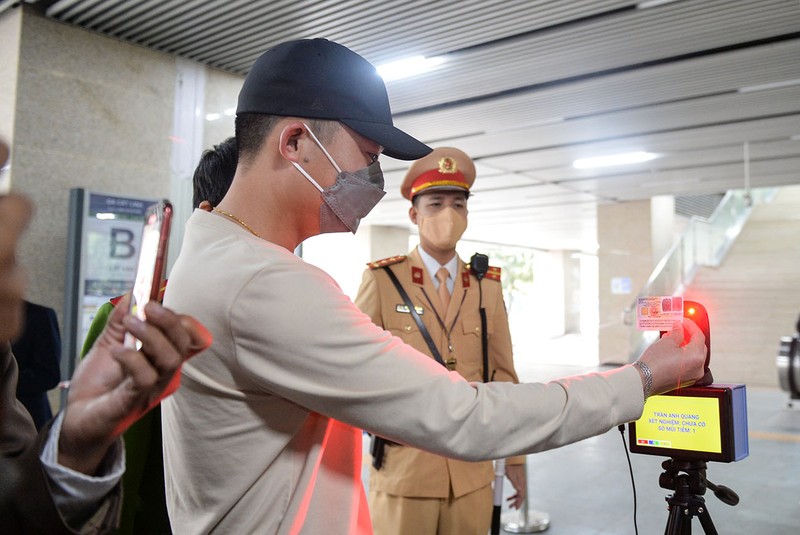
[(692, 426)]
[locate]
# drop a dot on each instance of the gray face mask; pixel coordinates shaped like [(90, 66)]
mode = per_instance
[(350, 199)]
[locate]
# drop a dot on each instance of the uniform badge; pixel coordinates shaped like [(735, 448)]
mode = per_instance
[(448, 166), (416, 275), (403, 309)]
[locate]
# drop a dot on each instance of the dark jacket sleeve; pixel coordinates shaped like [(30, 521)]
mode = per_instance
[(26, 505), (26, 502)]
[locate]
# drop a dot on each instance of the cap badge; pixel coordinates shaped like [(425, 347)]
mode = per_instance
[(448, 166)]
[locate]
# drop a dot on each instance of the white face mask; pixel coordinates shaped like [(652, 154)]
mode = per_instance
[(444, 228), (352, 196)]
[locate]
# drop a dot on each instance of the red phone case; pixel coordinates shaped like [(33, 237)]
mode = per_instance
[(150, 271)]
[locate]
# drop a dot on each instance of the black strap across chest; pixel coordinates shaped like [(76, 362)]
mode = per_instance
[(413, 311)]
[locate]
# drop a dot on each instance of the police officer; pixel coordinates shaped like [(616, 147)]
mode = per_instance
[(410, 490)]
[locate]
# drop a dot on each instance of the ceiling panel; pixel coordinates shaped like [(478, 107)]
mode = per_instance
[(528, 86), (629, 41)]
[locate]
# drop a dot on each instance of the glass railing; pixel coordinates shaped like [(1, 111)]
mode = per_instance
[(704, 242)]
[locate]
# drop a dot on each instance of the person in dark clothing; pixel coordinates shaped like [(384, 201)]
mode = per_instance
[(214, 174), (38, 353)]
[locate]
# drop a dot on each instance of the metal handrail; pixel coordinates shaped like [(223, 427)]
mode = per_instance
[(704, 242)]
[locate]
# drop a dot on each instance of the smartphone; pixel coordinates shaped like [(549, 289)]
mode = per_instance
[(152, 261)]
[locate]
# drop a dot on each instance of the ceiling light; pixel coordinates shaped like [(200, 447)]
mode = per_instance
[(408, 67), (653, 3), (610, 160), (773, 85)]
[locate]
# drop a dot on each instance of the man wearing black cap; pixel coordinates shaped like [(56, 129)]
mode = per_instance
[(263, 436)]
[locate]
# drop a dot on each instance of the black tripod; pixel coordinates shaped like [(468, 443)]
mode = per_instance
[(688, 480)]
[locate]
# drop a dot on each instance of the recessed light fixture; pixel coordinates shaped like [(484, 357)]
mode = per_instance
[(405, 68), (653, 3), (767, 87), (610, 160)]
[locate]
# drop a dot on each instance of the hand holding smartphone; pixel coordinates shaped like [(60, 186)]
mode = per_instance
[(152, 261)]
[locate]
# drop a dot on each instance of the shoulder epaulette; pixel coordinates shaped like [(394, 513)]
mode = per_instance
[(493, 273), (386, 261)]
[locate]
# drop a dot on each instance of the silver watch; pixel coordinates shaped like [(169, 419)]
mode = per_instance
[(647, 375)]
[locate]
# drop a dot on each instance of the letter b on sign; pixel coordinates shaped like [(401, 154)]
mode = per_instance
[(121, 243)]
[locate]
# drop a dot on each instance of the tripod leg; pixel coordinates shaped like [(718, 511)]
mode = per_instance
[(706, 522), (672, 524), (677, 521)]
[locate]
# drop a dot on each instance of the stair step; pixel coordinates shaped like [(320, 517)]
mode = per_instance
[(753, 297)]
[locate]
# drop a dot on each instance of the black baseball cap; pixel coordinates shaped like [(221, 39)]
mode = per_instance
[(320, 79)]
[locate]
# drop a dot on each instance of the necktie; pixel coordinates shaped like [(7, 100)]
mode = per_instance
[(444, 293)]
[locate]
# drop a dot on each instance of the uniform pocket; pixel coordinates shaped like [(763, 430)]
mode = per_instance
[(402, 325), (471, 324)]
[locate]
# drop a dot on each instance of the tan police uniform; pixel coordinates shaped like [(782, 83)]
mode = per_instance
[(398, 491)]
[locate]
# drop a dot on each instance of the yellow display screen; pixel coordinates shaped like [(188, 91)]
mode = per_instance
[(680, 423)]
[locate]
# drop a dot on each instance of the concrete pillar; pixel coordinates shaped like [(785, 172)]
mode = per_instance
[(187, 132), (633, 237), (10, 28), (663, 225)]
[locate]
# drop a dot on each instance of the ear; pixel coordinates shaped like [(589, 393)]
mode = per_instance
[(205, 205), (412, 214), (289, 140)]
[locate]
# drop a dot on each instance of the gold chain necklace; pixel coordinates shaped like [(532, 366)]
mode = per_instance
[(237, 220)]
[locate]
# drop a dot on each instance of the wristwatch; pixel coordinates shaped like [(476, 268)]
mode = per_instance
[(647, 375)]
